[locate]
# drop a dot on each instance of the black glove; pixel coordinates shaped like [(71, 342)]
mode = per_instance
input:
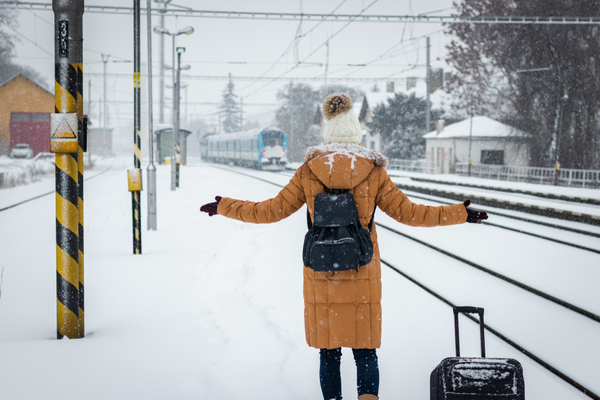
[(474, 216), (211, 208)]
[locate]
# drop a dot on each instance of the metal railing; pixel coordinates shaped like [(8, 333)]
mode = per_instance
[(566, 177), (408, 165)]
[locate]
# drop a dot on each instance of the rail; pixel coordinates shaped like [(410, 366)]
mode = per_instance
[(510, 342)]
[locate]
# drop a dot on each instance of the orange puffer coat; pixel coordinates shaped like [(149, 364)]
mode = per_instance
[(343, 309)]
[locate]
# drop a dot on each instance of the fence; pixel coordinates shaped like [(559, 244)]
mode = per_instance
[(408, 165), (566, 177)]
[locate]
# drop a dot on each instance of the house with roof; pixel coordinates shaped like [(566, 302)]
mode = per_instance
[(486, 140), (24, 105), (371, 139)]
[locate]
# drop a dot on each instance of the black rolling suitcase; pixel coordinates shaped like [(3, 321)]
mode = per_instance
[(474, 378)]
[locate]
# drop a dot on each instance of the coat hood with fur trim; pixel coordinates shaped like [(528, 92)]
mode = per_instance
[(353, 163)]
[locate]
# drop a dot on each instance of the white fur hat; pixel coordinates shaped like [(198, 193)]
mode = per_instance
[(342, 123)]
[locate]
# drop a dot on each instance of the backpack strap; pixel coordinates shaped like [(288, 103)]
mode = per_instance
[(372, 219), (338, 191), (334, 191)]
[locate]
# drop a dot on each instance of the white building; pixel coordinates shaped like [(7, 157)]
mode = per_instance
[(364, 111), (372, 140), (491, 142)]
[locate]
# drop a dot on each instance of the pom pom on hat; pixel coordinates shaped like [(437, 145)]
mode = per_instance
[(342, 124), (336, 104)]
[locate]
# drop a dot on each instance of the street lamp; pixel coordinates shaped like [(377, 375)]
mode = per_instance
[(176, 109), (176, 103), (184, 31), (161, 92)]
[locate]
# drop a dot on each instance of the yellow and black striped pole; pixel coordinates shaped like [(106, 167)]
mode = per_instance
[(137, 141), (177, 162), (64, 132), (80, 151)]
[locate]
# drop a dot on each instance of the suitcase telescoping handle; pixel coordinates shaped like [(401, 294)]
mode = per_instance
[(469, 310)]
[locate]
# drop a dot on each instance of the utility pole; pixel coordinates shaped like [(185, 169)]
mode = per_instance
[(428, 81), (242, 113), (173, 122), (104, 105), (161, 87), (177, 114), (89, 112), (135, 174), (89, 101), (64, 132), (291, 138), (151, 170), (326, 62), (188, 30), (562, 97), (470, 139)]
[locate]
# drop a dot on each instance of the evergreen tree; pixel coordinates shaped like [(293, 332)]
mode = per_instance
[(401, 123), (296, 115), (8, 69), (230, 112), (301, 101)]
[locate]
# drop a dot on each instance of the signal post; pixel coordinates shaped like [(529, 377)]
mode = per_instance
[(134, 176), (64, 134)]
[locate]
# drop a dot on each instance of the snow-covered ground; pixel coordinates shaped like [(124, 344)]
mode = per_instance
[(213, 307)]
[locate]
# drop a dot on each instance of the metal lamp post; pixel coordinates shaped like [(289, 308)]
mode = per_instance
[(177, 108), (562, 97), (470, 139), (151, 171), (185, 31), (161, 90)]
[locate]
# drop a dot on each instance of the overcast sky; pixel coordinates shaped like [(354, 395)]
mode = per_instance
[(249, 48)]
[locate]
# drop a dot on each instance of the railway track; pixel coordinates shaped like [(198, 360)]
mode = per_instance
[(527, 288), (52, 192), (508, 205)]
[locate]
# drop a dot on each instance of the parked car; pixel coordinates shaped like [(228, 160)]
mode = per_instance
[(21, 150), (45, 156)]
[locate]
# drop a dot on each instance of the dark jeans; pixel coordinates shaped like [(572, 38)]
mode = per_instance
[(367, 372)]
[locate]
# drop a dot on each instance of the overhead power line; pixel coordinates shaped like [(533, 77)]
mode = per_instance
[(254, 78), (199, 103), (422, 18), (326, 43)]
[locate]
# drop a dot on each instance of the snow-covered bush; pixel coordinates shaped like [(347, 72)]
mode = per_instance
[(20, 172)]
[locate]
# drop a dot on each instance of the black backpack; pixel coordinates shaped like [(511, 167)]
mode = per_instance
[(336, 241)]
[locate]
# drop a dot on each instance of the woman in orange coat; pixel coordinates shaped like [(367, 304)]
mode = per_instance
[(344, 309)]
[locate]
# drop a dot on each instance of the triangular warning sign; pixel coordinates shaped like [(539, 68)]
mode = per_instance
[(63, 131)]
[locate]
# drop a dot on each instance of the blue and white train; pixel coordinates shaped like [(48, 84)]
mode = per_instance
[(265, 148)]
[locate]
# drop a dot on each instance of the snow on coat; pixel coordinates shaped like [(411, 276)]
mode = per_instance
[(344, 309)]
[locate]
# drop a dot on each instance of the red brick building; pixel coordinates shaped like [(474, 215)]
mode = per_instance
[(24, 113)]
